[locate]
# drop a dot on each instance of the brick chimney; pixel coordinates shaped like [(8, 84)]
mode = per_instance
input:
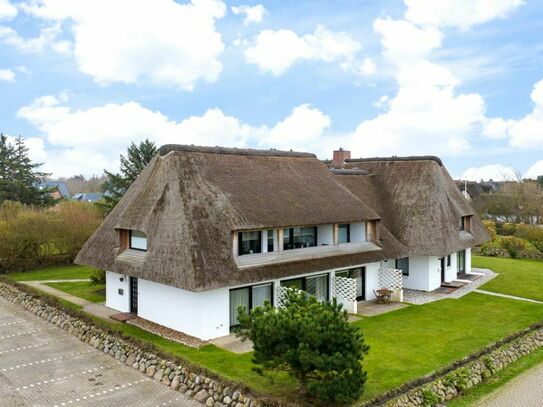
[(339, 158)]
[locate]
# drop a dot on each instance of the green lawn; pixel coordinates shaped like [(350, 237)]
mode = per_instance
[(90, 291), (72, 272), (499, 379), (520, 277), (414, 341)]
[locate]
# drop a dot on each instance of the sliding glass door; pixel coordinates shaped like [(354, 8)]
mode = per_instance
[(249, 298), (317, 286)]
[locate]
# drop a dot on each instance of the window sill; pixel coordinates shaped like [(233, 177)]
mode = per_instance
[(264, 259)]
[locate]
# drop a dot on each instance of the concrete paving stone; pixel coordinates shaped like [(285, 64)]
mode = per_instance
[(41, 365), (525, 390)]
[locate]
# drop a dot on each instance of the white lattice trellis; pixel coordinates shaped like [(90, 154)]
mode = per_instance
[(344, 289), (393, 280), (281, 295)]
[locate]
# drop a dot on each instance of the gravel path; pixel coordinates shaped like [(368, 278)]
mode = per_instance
[(41, 365), (424, 297), (526, 390)]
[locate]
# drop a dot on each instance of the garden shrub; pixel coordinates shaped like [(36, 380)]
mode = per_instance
[(513, 245), (98, 276), (429, 397), (533, 234), (508, 229), (490, 227), (35, 237), (311, 340)]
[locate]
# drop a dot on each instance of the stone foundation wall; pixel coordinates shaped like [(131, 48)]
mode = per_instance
[(211, 392), (454, 383)]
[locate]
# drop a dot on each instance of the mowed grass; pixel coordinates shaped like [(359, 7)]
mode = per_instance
[(417, 340), (519, 277), (68, 272), (87, 290), (501, 378)]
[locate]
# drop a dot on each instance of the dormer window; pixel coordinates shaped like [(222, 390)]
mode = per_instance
[(138, 240), (465, 223), (249, 242), (344, 233)]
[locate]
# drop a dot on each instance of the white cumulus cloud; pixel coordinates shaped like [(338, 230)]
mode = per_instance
[(7, 75), (535, 170), (47, 37), (458, 13), (7, 10), (427, 115), (252, 14), (91, 140), (275, 51), (525, 133), (305, 124), (496, 172), (161, 41)]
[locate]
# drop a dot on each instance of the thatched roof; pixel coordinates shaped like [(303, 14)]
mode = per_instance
[(188, 201), (417, 200)]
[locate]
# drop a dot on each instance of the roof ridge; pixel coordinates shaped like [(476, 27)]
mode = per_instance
[(168, 148), (396, 158)]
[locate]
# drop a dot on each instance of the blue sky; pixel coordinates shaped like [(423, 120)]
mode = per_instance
[(461, 79)]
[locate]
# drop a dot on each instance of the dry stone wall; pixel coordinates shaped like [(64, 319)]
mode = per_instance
[(211, 392), (454, 383)]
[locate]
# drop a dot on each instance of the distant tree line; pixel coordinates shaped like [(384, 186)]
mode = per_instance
[(518, 201)]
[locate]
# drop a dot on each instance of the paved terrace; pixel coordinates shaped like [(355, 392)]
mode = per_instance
[(41, 365)]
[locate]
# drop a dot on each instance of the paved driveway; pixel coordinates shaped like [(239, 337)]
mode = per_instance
[(41, 365), (526, 391)]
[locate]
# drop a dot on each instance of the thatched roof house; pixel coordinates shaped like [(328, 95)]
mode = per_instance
[(204, 230)]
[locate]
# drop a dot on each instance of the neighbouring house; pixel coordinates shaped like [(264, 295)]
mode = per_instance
[(91, 197), (204, 230), (58, 189)]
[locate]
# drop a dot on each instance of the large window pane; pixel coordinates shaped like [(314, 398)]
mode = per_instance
[(238, 297), (300, 237), (271, 234), (318, 287), (138, 240), (403, 264), (250, 242), (261, 294), (297, 283), (344, 235)]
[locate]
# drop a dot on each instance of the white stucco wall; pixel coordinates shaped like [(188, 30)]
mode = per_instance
[(358, 232), (372, 280), (424, 273), (468, 260), (434, 273), (204, 315), (451, 272), (115, 300), (325, 234)]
